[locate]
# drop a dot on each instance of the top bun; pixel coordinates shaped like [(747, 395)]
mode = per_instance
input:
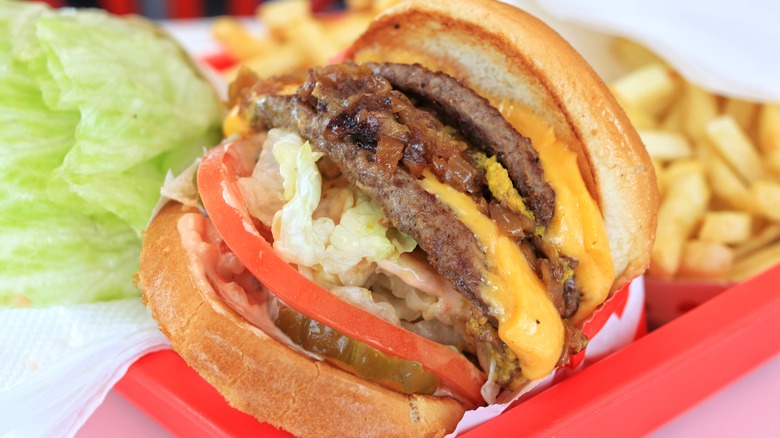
[(505, 54)]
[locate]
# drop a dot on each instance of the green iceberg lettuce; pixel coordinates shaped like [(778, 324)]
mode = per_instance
[(94, 110)]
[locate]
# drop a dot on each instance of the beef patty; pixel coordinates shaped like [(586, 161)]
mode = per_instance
[(383, 124)]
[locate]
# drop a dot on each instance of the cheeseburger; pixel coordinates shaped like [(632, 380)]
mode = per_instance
[(385, 242)]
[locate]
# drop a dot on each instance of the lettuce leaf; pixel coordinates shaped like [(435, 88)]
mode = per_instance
[(340, 252), (94, 110)]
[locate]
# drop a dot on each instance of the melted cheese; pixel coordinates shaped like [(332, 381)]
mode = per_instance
[(527, 321), (235, 123), (581, 224), (577, 227)]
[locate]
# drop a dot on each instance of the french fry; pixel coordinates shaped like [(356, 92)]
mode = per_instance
[(769, 136), (770, 234), (345, 29), (743, 112), (280, 16), (665, 145), (773, 163), (678, 215), (727, 227), (309, 38), (632, 54), (276, 61), (651, 88), (640, 118), (673, 120), (237, 41), (710, 260), (765, 195), (769, 128), (700, 107), (757, 262), (736, 148), (295, 38), (727, 185)]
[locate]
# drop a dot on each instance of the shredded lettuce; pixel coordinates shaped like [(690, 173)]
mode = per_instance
[(94, 110), (341, 251), (297, 237)]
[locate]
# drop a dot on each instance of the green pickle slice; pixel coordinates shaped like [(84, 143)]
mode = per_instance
[(356, 357)]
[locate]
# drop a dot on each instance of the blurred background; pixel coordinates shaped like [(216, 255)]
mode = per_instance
[(177, 9)]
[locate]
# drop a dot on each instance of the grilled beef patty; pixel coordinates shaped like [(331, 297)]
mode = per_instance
[(383, 140)]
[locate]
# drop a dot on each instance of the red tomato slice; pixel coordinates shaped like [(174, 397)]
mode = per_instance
[(217, 183)]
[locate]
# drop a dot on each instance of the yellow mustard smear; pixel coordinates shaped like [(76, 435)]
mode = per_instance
[(527, 321), (577, 228), (501, 187)]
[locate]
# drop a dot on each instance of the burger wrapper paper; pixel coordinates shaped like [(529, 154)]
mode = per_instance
[(622, 317), (57, 364), (728, 47)]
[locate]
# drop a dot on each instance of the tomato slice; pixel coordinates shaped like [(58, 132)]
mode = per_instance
[(217, 184)]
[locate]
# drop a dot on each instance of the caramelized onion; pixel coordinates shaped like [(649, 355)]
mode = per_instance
[(553, 284), (388, 152), (511, 223), (462, 175)]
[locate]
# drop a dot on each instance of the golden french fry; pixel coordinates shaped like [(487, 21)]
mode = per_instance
[(280, 16), (743, 112), (640, 118), (679, 213), (768, 235), (736, 148), (309, 38), (769, 136), (766, 198), (769, 128), (632, 54), (237, 40), (727, 185), (673, 120), (773, 163), (276, 61), (665, 145), (709, 260), (757, 262), (726, 227), (343, 30), (651, 88), (700, 107)]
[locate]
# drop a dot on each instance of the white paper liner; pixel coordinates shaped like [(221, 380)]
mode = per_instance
[(57, 364), (728, 47)]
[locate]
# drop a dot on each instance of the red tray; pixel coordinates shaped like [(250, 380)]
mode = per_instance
[(701, 351)]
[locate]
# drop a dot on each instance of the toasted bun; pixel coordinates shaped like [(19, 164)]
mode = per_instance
[(505, 54), (257, 374)]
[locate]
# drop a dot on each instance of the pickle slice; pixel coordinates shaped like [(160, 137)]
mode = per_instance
[(356, 357)]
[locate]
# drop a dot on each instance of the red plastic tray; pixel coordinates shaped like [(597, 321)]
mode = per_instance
[(701, 351)]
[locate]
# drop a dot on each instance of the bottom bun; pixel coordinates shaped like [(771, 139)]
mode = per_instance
[(261, 376)]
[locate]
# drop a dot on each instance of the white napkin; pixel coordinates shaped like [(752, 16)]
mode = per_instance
[(57, 364), (729, 47)]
